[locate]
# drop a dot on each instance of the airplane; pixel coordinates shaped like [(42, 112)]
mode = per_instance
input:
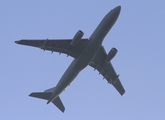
[(85, 51)]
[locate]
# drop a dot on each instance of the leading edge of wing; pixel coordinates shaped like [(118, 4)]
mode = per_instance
[(57, 45)]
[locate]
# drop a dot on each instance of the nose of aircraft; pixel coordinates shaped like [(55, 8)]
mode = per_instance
[(117, 9)]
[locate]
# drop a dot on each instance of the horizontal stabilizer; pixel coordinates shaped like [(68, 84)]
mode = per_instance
[(42, 95), (46, 95), (58, 103)]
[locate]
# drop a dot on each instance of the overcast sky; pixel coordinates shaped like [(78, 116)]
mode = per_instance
[(138, 35)]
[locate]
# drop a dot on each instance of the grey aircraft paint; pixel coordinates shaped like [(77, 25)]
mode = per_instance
[(84, 59), (87, 57)]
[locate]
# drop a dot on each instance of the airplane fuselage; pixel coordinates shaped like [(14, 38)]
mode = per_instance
[(88, 54)]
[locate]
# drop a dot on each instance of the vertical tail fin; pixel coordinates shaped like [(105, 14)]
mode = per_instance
[(46, 95)]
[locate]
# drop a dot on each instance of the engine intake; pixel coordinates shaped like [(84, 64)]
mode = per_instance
[(111, 54), (77, 37)]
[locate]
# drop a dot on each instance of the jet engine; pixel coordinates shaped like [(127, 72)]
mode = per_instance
[(77, 37), (111, 54)]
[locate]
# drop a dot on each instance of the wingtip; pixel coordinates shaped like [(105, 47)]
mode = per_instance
[(30, 94), (63, 110), (18, 41), (122, 93)]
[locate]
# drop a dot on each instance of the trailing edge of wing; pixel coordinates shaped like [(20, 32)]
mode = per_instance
[(106, 70)]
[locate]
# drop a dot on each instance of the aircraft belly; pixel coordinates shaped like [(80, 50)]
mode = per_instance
[(86, 57), (65, 80), (67, 77), (75, 67)]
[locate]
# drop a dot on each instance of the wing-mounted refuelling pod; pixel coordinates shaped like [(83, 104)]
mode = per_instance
[(111, 54), (77, 37)]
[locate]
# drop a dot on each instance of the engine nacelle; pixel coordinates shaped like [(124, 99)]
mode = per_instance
[(77, 37), (111, 54)]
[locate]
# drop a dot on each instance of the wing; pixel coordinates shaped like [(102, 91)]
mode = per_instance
[(60, 45), (107, 70)]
